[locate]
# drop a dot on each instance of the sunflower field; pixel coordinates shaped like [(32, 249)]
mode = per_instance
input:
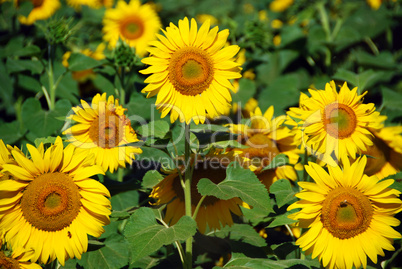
[(200, 134)]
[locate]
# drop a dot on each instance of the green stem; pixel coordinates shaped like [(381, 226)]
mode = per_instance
[(122, 92), (177, 243), (187, 194), (52, 87), (52, 265), (198, 207), (48, 100), (120, 174), (324, 20), (372, 46)]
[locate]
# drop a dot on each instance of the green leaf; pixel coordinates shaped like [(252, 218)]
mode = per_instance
[(278, 160), (6, 89), (43, 123), (14, 66), (145, 235), (283, 192), (383, 60), (282, 220), (112, 255), (79, 62), (245, 262), (44, 140), (158, 128), (29, 83), (239, 182), (398, 181), (391, 99), (364, 79), (247, 89), (151, 178), (124, 200), (281, 93), (10, 132), (241, 232)]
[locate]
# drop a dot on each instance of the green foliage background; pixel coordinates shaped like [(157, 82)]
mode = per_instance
[(320, 41)]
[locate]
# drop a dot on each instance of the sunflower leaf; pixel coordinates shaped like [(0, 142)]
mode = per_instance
[(79, 62), (239, 182), (112, 255), (145, 235), (283, 192)]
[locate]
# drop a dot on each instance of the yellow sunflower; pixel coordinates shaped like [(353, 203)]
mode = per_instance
[(349, 215), (213, 211), (266, 138), (334, 122), (103, 129), (134, 23), (42, 10), (76, 4), (18, 259), (386, 152), (280, 5), (84, 75), (51, 204), (191, 72)]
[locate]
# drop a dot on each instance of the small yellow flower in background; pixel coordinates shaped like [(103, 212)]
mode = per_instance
[(349, 215), (374, 4), (262, 15), (18, 259), (76, 4), (83, 75), (276, 24), (385, 153), (213, 212), (190, 71), (103, 129), (266, 138), (280, 5), (51, 204), (202, 18), (336, 122), (42, 10), (277, 40), (133, 23)]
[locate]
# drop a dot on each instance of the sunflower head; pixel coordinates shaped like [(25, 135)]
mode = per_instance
[(336, 123), (51, 204), (18, 259), (103, 129), (266, 138), (213, 212), (190, 71), (42, 10), (133, 23), (385, 153), (349, 215)]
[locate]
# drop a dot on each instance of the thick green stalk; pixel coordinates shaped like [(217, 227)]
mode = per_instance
[(52, 87), (187, 194)]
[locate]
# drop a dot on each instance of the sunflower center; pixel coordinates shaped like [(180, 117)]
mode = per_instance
[(132, 28), (346, 212), (380, 154), (261, 150), (107, 131), (339, 120), (8, 263), (213, 170), (51, 202), (191, 71)]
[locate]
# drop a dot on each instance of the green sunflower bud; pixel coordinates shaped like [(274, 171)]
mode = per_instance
[(124, 55)]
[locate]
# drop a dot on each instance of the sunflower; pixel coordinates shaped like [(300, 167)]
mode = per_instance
[(77, 4), (266, 138), (84, 75), (191, 72), (51, 204), (213, 211), (280, 5), (336, 122), (18, 259), (42, 10), (134, 23), (386, 152), (349, 215), (104, 130), (5, 158)]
